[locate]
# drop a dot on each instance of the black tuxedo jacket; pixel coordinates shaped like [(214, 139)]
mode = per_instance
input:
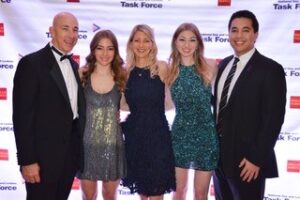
[(253, 117), (42, 114)]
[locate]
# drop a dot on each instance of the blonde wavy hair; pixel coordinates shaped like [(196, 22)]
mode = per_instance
[(152, 58), (175, 58)]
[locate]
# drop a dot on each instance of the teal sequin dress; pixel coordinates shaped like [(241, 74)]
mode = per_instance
[(194, 135)]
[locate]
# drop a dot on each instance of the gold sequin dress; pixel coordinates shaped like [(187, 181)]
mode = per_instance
[(104, 157)]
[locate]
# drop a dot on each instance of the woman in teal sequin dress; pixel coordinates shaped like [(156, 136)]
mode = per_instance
[(194, 136)]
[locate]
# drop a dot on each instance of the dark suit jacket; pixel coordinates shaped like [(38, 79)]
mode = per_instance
[(253, 117), (42, 114)]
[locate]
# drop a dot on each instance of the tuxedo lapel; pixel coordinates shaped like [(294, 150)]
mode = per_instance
[(56, 73), (75, 70), (59, 80)]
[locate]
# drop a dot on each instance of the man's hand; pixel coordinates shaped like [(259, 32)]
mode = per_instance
[(249, 170), (31, 173)]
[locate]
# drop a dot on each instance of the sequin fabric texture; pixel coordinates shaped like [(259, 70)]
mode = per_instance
[(148, 144), (194, 135), (104, 151)]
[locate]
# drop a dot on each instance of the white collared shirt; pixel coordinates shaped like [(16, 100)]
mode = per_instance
[(240, 66), (70, 81)]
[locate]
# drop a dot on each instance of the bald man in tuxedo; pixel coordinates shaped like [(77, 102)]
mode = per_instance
[(49, 114)]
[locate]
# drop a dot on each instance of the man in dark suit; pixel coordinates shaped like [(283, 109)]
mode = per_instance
[(250, 106), (49, 114)]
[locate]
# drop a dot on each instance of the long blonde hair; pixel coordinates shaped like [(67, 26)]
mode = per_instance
[(152, 59), (175, 58)]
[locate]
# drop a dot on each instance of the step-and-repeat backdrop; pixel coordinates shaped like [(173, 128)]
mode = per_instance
[(24, 29)]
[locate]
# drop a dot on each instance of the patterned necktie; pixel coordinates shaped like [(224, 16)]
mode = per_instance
[(224, 95), (69, 56)]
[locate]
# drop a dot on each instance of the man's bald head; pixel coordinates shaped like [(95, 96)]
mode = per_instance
[(64, 31)]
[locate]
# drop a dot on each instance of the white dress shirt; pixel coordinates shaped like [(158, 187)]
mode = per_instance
[(240, 66), (70, 81)]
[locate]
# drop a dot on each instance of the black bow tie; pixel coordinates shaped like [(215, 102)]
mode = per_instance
[(67, 56)]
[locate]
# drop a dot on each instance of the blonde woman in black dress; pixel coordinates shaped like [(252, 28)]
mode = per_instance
[(148, 146)]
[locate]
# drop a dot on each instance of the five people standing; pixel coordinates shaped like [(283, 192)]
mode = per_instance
[(249, 107)]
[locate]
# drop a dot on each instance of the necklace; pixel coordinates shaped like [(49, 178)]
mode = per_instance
[(141, 71)]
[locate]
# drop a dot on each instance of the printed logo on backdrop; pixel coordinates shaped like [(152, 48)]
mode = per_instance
[(76, 58), (8, 186), (280, 197), (6, 64), (124, 191), (96, 27), (20, 56), (212, 190), (3, 154), (292, 71), (3, 94), (293, 166), (289, 137), (1, 29), (218, 60), (295, 102), (76, 184), (150, 4), (215, 37), (6, 127), (82, 35), (297, 36), (5, 1), (287, 5), (224, 2)]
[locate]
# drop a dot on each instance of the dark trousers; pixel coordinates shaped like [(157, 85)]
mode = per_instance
[(234, 188), (60, 189)]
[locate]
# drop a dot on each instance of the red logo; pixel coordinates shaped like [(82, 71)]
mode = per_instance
[(73, 1), (297, 36), (76, 58), (224, 2), (3, 154), (3, 94), (76, 184), (1, 29), (295, 102), (293, 166)]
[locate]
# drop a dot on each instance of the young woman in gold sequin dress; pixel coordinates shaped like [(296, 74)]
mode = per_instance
[(104, 80)]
